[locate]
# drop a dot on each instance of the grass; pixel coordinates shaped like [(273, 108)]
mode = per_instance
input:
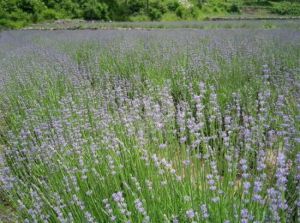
[(6, 212), (151, 126)]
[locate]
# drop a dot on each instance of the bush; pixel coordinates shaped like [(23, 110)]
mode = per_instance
[(8, 6), (8, 23), (154, 13), (180, 12), (19, 15), (50, 14), (159, 6), (135, 6), (156, 10), (69, 8), (172, 5), (169, 16), (186, 13), (233, 8), (286, 8), (32, 6), (5, 23), (94, 10)]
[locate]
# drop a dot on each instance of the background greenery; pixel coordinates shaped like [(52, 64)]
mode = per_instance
[(19, 13)]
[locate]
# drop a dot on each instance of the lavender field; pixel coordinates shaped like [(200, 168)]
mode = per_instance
[(174, 125)]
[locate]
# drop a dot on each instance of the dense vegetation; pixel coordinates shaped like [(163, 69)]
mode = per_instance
[(17, 13), (150, 126)]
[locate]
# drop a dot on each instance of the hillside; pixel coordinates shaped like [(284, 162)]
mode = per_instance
[(19, 13)]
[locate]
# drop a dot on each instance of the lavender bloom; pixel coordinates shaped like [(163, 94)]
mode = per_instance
[(190, 214), (7, 179), (89, 217), (276, 203), (281, 172), (246, 186), (257, 189), (121, 203), (211, 182), (140, 208), (109, 210), (244, 216), (204, 211)]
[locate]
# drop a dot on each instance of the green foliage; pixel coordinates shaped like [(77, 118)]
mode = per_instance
[(156, 9), (169, 16), (134, 6), (180, 12), (18, 13), (69, 8), (33, 8), (8, 6), (50, 14), (257, 2), (155, 14), (15, 19), (94, 10), (172, 5), (286, 8), (187, 13), (234, 8)]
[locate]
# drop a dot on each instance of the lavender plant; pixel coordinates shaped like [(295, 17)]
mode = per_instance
[(150, 126)]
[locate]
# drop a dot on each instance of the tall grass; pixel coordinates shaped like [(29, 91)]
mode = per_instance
[(151, 126)]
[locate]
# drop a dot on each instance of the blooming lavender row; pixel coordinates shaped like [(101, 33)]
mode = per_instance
[(116, 142), (148, 147)]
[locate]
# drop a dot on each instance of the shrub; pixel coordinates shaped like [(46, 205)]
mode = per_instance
[(69, 8), (159, 6), (169, 16), (156, 10), (135, 6), (186, 13), (31, 6), (286, 8), (154, 13), (172, 5), (8, 6), (94, 10), (233, 8), (50, 14), (180, 12), (19, 15), (8, 23)]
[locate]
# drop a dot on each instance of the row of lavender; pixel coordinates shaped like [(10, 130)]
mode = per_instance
[(156, 127)]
